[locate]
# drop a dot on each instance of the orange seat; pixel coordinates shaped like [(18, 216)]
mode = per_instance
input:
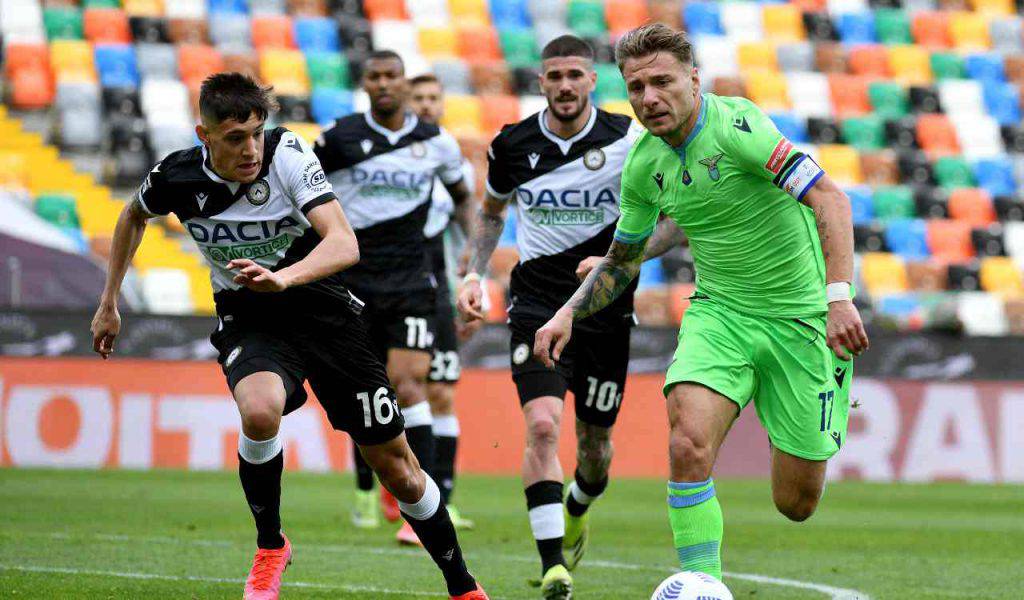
[(950, 240), (830, 57), (880, 168), (811, 5), (32, 88), (478, 43), (623, 15), (928, 275), (272, 31), (931, 29), (243, 63), (679, 299), (783, 22), (497, 313), (188, 31), (25, 56), (385, 9), (849, 95), (499, 110), (307, 8), (667, 12), (106, 26), (936, 135), (197, 62), (870, 59), (972, 206), (1000, 275), (490, 77)]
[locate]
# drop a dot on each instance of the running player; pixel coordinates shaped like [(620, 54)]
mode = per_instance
[(383, 165), (268, 224), (772, 318), (561, 167)]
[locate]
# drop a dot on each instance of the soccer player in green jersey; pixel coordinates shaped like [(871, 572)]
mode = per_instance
[(772, 318)]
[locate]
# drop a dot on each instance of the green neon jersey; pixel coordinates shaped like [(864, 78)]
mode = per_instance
[(734, 187)]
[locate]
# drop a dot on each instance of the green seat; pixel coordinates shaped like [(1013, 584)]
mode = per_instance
[(953, 172), (63, 23), (519, 47), (328, 70), (101, 3), (892, 26), (888, 99), (586, 18), (947, 65), (610, 85), (58, 209), (864, 133), (893, 202)]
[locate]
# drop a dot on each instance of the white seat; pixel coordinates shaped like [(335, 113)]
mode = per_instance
[(837, 7), (185, 9), (796, 56), (454, 76), (531, 104), (400, 36), (163, 99), (158, 61), (961, 96), (170, 136), (981, 313), (546, 31), (1006, 35), (547, 10), (716, 57), (810, 94), (429, 13), (1013, 238), (80, 128), (230, 30), (23, 18), (1018, 171), (913, 6), (979, 136), (78, 95), (167, 291), (742, 21), (268, 7)]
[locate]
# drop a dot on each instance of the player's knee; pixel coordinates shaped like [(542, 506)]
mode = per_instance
[(261, 417), (542, 433), (400, 474), (690, 455), (442, 398), (798, 506), (409, 390)]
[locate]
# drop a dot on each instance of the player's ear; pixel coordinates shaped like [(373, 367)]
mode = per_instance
[(204, 136)]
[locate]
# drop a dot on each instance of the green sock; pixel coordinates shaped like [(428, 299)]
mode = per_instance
[(696, 519)]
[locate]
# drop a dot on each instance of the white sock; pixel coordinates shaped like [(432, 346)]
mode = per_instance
[(446, 426), (579, 495), (417, 415), (257, 453), (427, 505), (547, 521)]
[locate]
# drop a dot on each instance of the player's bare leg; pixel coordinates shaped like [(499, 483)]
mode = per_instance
[(699, 419), (441, 396), (593, 457), (542, 479), (424, 511), (407, 370), (261, 398), (797, 484)]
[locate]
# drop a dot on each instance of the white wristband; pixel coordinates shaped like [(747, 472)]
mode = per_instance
[(470, 277), (837, 291)]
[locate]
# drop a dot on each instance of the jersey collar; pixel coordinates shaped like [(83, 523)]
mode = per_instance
[(565, 144), (393, 136), (208, 170), (697, 128)]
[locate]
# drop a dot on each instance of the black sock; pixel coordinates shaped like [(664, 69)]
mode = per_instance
[(437, 534), (576, 508), (444, 464), (364, 474), (544, 501), (421, 442), (262, 486)]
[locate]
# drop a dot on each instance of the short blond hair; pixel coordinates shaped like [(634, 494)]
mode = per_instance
[(652, 39)]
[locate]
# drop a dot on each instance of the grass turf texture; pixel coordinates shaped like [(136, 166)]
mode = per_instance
[(76, 529)]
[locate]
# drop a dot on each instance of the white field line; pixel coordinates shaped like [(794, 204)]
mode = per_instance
[(834, 593)]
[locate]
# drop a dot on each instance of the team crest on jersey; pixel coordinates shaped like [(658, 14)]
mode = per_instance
[(520, 354), (418, 150), (258, 192), (594, 159), (711, 163), (686, 177)]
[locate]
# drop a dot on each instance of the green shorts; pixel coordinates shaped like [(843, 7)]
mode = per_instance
[(800, 389)]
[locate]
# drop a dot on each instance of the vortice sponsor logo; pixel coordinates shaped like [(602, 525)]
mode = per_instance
[(229, 253), (577, 216)]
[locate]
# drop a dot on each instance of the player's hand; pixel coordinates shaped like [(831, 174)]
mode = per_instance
[(465, 330), (551, 339), (106, 324), (587, 265), (470, 302), (845, 330), (257, 277)]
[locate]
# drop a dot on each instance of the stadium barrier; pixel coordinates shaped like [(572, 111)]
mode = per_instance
[(142, 414)]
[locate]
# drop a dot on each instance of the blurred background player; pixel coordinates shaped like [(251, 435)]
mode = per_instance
[(562, 168), (383, 165), (263, 194), (772, 317)]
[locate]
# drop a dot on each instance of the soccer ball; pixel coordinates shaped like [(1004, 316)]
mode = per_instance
[(690, 585)]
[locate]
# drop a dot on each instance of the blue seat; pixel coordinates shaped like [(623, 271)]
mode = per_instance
[(328, 104), (116, 65), (856, 28), (510, 14), (228, 6), (317, 34), (508, 234), (995, 175), (986, 66), (652, 274), (703, 17), (1002, 101), (900, 306), (861, 204), (792, 127), (907, 237)]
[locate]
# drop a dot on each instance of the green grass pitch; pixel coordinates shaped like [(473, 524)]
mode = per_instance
[(168, 534)]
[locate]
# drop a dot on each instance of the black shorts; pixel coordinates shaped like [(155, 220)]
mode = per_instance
[(402, 320), (592, 366), (445, 367), (334, 354)]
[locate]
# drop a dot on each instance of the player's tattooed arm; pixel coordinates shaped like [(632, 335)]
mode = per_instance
[(667, 235), (608, 279), (490, 223), (463, 200)]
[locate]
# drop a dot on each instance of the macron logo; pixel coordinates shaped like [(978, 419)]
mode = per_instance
[(366, 145), (533, 158), (201, 199)]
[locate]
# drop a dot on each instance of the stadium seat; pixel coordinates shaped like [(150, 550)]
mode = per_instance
[(931, 29), (703, 17), (819, 26), (439, 42), (783, 23), (988, 241), (936, 135), (716, 57), (188, 31), (454, 76), (116, 65), (953, 172), (927, 275), (317, 34), (888, 99), (849, 95), (880, 167), (490, 77), (156, 60), (904, 308), (1000, 275), (106, 26), (377, 10), (972, 206), (947, 65), (623, 15), (519, 47), (892, 26), (742, 21), (795, 57), (327, 70), (267, 7), (961, 96), (864, 133), (506, 14), (285, 70), (995, 175), (463, 114), (823, 131), (915, 168), (63, 23), (1006, 35), (751, 56), (20, 56), (228, 7), (230, 31), (478, 43), (869, 60), (768, 89), (58, 209), (80, 129), (924, 99), (791, 127), (610, 85), (993, 8), (893, 202), (1013, 237), (979, 135), (883, 273), (197, 62), (810, 94), (856, 28), (272, 31), (500, 110), (186, 9), (328, 104), (981, 314), (969, 31), (950, 240), (861, 204), (910, 65), (907, 237), (72, 59), (167, 291), (31, 89), (469, 11), (1002, 102), (149, 29), (143, 8), (841, 162), (987, 66)]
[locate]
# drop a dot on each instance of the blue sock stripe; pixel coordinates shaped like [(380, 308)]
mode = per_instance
[(691, 500), (698, 553), (677, 485)]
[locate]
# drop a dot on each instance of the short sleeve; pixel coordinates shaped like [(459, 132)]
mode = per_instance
[(499, 182), (449, 168), (152, 194), (326, 150), (761, 149), (469, 176), (299, 170), (638, 214)]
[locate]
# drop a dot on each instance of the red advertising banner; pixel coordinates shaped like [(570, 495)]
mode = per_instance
[(141, 414)]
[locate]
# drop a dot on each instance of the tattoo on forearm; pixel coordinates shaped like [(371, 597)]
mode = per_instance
[(488, 231), (608, 280), (823, 233)]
